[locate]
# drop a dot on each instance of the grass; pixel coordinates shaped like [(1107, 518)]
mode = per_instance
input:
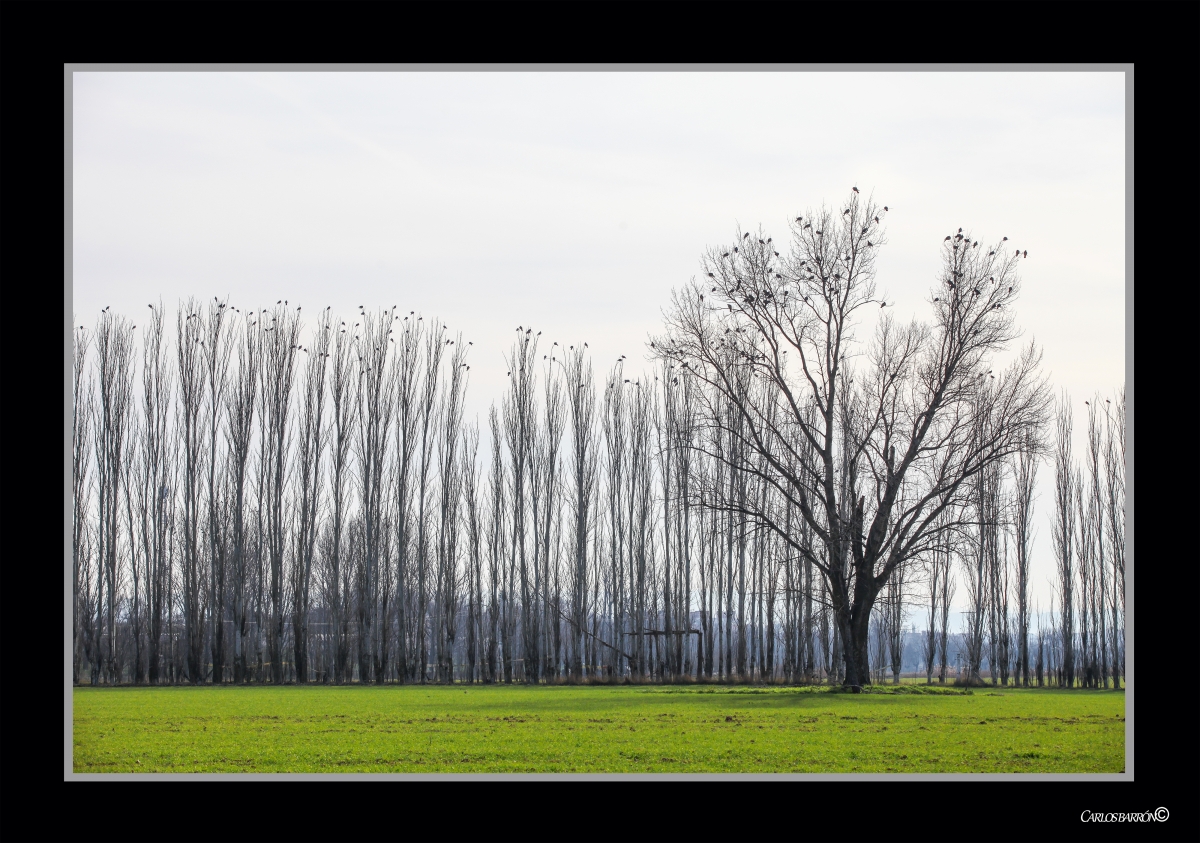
[(596, 729)]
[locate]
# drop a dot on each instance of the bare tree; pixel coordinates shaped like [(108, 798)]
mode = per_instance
[(1064, 536), (1025, 478), (498, 595), (1114, 502), (81, 409), (582, 460), (280, 346), (519, 423), (450, 496), (189, 335), (408, 374), (341, 395), (615, 439), (435, 346), (789, 321), (312, 447), (374, 404), (1098, 541), (215, 348), (475, 537), (239, 432), (114, 378)]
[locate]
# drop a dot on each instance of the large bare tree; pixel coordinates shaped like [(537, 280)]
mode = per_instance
[(789, 321)]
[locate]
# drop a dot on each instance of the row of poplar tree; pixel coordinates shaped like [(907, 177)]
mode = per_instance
[(256, 501)]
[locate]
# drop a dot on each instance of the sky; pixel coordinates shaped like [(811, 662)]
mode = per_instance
[(574, 202)]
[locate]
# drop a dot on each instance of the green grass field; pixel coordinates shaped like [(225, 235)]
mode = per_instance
[(594, 729)]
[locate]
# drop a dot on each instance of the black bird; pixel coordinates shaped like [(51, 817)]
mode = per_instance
[(1025, 254), (768, 239), (991, 253), (798, 219), (281, 302), (1018, 253), (877, 219), (710, 275), (777, 254), (935, 298), (845, 212), (747, 234), (761, 243), (819, 233), (869, 243), (735, 248), (1010, 289), (855, 189), (947, 238), (885, 207), (1002, 239)]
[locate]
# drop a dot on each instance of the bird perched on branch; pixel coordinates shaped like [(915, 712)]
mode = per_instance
[(747, 234), (855, 189), (1025, 254)]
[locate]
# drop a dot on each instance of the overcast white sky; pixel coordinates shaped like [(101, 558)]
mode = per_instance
[(575, 201)]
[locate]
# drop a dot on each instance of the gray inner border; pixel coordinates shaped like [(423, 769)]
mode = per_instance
[(68, 218)]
